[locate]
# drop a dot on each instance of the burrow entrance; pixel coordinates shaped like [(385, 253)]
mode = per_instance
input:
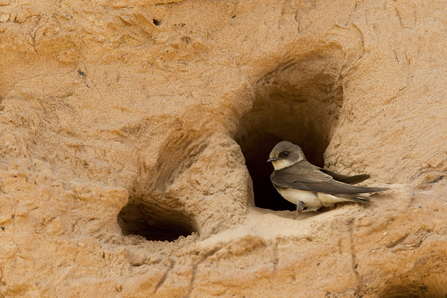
[(298, 101), (154, 222), (151, 212)]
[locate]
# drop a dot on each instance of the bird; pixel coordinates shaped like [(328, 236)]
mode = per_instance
[(311, 187)]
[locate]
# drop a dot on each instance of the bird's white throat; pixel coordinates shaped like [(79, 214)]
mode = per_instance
[(284, 163)]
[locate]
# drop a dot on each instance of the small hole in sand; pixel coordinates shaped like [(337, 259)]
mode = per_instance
[(409, 290), (154, 222), (153, 211), (156, 22)]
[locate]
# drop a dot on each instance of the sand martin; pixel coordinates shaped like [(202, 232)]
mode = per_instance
[(306, 185)]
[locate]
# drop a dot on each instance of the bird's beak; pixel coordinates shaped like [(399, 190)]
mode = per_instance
[(271, 159)]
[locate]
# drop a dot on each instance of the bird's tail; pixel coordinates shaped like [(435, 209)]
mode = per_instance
[(376, 189), (354, 198)]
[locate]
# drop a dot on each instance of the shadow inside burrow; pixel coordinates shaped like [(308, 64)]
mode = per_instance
[(154, 222), (298, 101), (397, 289)]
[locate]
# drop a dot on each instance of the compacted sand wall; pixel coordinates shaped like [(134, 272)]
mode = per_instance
[(134, 137)]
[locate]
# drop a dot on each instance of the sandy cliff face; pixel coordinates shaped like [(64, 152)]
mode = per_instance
[(134, 135)]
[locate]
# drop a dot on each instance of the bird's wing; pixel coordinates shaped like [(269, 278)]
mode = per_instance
[(346, 179), (305, 176)]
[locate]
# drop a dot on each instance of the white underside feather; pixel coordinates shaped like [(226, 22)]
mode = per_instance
[(312, 200)]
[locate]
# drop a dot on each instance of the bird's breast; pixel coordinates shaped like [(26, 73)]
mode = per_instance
[(310, 199)]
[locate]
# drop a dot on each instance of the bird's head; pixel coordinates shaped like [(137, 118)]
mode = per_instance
[(285, 154)]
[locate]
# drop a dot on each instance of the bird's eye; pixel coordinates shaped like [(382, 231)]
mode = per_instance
[(285, 153)]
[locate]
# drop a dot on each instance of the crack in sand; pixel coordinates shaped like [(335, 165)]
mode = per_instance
[(354, 264), (193, 278), (204, 257), (275, 256), (165, 276), (413, 245)]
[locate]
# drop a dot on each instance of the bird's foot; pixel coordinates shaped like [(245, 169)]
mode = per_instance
[(299, 208)]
